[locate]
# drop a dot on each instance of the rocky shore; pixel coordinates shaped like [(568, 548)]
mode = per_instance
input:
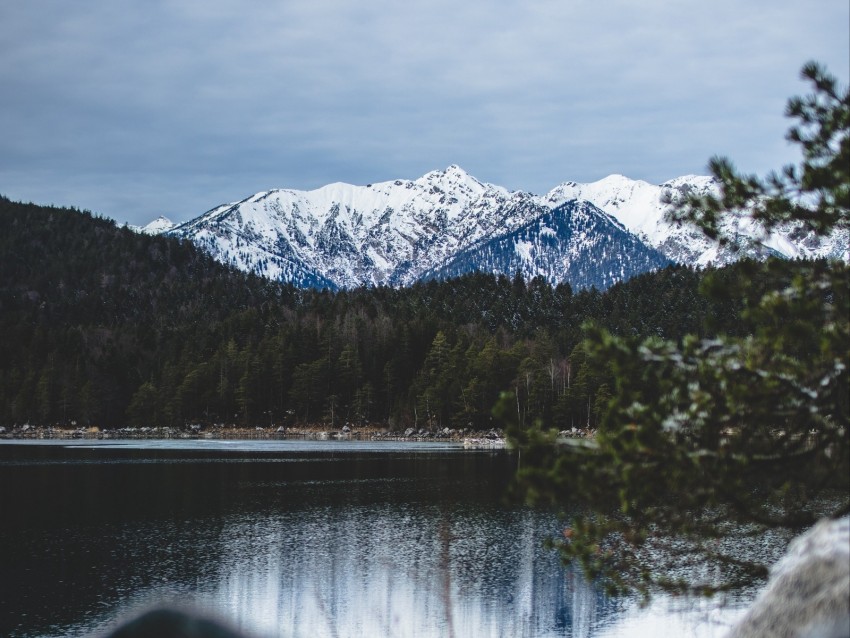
[(471, 439), (494, 438)]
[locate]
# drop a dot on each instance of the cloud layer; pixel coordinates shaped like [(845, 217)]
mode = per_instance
[(138, 109)]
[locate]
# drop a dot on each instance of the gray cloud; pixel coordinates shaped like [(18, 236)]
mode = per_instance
[(137, 109)]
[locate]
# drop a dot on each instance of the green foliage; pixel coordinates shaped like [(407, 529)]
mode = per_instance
[(104, 327), (708, 441)]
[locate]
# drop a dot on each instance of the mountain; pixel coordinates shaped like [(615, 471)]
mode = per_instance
[(575, 242), (107, 327), (398, 232), (159, 226), (640, 207), (343, 236)]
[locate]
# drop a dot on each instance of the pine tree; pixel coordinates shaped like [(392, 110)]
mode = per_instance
[(706, 444)]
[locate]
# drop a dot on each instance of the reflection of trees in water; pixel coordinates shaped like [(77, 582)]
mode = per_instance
[(385, 570), (286, 545)]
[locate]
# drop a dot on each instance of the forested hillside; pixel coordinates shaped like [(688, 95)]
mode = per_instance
[(105, 327)]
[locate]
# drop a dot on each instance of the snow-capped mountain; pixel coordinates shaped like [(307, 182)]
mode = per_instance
[(344, 235), (575, 242), (447, 222), (640, 207), (157, 227)]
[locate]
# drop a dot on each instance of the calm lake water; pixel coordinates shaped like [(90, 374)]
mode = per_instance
[(295, 538)]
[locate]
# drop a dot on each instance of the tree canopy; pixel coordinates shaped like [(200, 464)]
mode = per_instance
[(103, 327), (708, 446)]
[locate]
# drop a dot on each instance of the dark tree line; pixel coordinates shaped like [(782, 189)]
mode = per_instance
[(105, 327)]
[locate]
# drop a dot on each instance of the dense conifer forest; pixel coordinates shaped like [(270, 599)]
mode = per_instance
[(104, 327)]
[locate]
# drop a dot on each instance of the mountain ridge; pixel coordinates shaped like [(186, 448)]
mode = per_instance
[(574, 242), (396, 232)]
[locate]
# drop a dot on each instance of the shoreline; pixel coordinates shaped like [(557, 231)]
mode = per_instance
[(469, 438)]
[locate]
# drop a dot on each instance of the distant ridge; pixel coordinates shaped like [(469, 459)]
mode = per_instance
[(157, 227), (448, 222)]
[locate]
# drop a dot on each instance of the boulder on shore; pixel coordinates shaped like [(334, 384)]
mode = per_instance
[(808, 593)]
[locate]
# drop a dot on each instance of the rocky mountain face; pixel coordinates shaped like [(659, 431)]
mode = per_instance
[(575, 242), (641, 208), (343, 236), (447, 222)]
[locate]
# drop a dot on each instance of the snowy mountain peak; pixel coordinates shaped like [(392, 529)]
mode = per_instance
[(452, 172), (701, 181), (158, 226), (342, 235), (395, 232), (455, 180), (617, 181)]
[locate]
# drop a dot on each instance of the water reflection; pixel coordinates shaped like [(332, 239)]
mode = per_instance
[(399, 571), (283, 542)]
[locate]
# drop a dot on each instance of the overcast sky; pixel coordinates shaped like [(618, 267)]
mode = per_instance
[(135, 109)]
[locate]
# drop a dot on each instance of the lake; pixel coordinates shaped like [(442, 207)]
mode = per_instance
[(296, 538)]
